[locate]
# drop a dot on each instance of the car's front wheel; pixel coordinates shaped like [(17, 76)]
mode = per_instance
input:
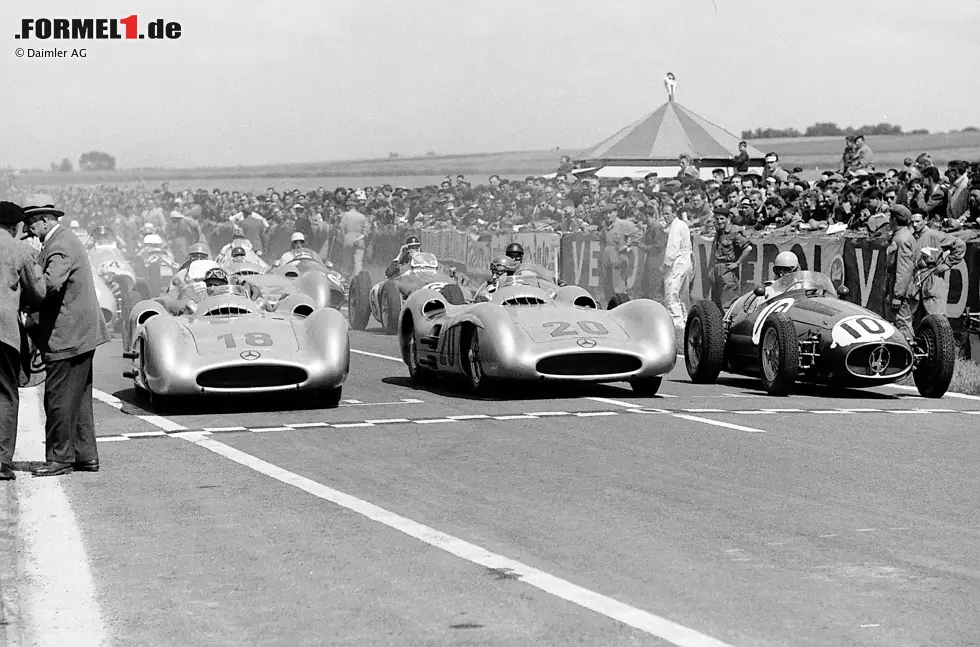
[(330, 398), (779, 355), (704, 342), (479, 383), (646, 387), (934, 372)]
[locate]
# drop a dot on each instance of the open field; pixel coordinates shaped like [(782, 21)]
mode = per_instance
[(816, 153)]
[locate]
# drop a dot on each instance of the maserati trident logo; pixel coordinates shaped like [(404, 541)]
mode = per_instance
[(585, 342), (878, 360), (249, 355)]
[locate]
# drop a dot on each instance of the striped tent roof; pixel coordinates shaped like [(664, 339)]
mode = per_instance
[(664, 134)]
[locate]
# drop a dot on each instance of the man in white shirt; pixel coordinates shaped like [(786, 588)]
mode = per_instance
[(678, 265)]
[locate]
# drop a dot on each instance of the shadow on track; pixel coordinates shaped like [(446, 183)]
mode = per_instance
[(752, 386), (517, 391), (135, 403)]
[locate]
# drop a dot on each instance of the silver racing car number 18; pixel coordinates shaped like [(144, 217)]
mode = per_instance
[(565, 328), (251, 339)]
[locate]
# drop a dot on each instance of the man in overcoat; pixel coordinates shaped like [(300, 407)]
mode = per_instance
[(70, 328)]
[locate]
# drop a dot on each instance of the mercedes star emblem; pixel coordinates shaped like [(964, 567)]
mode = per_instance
[(586, 343), (878, 360), (249, 355)]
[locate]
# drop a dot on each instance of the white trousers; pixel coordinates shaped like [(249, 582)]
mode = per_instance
[(676, 287)]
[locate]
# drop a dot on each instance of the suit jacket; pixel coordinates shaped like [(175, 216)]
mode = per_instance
[(70, 320), (21, 286)]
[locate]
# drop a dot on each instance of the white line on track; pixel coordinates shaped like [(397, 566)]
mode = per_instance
[(637, 618), (719, 423), (707, 421), (60, 596), (949, 394), (378, 355)]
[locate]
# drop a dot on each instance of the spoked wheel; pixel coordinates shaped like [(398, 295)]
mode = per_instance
[(779, 355), (933, 372), (479, 383)]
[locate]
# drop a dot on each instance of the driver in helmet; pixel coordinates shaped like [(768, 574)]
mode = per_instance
[(103, 237), (516, 252), (785, 263), (499, 267), (411, 247), (196, 252), (238, 255), (238, 239), (297, 249), (191, 289), (215, 278)]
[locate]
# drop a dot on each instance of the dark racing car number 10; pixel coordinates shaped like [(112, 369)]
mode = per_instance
[(251, 339), (566, 328)]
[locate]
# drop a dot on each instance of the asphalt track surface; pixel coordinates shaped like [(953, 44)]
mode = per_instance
[(708, 515)]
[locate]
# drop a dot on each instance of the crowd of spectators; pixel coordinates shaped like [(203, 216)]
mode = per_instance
[(855, 197)]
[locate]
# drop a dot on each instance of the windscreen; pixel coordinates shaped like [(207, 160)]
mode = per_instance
[(804, 280), (424, 260)]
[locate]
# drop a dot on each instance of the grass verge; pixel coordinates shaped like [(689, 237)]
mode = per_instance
[(966, 377)]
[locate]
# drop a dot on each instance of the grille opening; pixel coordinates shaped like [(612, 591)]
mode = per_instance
[(589, 364), (252, 376), (524, 301), (246, 273), (303, 310), (858, 361), (292, 274), (585, 302), (227, 311)]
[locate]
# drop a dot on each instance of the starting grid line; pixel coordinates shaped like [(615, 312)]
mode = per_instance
[(536, 415)]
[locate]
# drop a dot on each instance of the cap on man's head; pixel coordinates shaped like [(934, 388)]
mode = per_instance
[(297, 236), (10, 213)]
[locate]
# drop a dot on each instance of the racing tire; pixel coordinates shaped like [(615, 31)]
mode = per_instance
[(416, 371), (391, 306), (453, 294), (704, 342), (933, 373), (646, 387), (779, 355), (162, 404), (358, 303), (479, 384), (330, 398), (617, 300)]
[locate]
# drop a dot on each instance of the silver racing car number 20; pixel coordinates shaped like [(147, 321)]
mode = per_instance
[(566, 328)]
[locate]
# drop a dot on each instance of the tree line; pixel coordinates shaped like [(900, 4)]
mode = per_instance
[(91, 161), (830, 129)]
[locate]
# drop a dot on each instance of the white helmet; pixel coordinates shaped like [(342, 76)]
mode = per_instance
[(785, 263), (152, 239), (74, 224), (297, 236), (197, 270)]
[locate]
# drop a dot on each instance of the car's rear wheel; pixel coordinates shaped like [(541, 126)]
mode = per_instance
[(479, 383), (358, 301), (933, 373), (617, 300), (646, 387), (453, 294), (391, 305), (704, 342), (779, 355)]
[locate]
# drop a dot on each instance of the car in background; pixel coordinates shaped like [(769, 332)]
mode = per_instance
[(524, 333), (801, 329)]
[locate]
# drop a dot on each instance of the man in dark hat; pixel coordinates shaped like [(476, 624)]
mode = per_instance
[(70, 328), (21, 284)]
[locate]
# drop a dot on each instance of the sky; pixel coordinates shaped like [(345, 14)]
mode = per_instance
[(252, 83)]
